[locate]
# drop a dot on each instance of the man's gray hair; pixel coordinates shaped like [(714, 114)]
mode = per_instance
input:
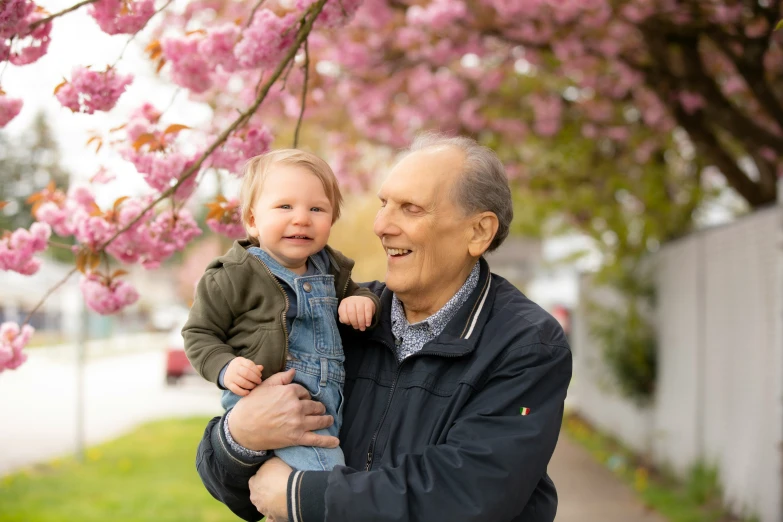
[(483, 185)]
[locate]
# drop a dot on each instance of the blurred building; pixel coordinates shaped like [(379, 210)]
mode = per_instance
[(518, 259)]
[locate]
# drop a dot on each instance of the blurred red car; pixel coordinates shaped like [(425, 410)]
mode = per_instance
[(177, 363)]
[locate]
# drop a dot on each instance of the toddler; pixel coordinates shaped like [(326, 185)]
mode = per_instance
[(271, 302)]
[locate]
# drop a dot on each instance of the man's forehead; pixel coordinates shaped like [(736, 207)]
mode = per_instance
[(424, 173)]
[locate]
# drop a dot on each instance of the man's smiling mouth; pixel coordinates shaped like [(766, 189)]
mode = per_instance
[(397, 252)]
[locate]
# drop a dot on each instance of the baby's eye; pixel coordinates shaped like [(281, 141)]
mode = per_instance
[(286, 207), (317, 209)]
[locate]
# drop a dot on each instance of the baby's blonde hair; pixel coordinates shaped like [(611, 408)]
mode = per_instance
[(257, 168)]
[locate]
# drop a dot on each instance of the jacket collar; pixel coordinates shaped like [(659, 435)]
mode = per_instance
[(460, 335)]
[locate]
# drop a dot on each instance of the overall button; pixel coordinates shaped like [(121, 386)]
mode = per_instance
[(307, 287)]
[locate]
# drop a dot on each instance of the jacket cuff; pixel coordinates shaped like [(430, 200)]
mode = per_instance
[(366, 292), (234, 462), (307, 496), (211, 367)]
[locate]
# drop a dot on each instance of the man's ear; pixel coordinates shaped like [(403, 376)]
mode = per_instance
[(484, 228)]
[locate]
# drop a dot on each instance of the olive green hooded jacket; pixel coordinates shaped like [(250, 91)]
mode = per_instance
[(240, 309)]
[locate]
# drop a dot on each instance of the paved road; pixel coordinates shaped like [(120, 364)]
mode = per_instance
[(38, 402), (588, 492)]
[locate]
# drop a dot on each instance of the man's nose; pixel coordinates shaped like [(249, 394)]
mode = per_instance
[(385, 223)]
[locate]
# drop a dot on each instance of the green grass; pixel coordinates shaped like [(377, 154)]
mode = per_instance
[(697, 499), (149, 474)]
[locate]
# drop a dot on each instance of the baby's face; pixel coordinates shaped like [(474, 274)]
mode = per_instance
[(292, 216)]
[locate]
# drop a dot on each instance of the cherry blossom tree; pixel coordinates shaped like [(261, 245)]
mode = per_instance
[(655, 91)]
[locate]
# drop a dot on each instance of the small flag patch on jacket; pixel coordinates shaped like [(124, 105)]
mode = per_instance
[(524, 411)]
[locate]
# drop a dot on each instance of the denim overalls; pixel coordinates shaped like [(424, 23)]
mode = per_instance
[(316, 352)]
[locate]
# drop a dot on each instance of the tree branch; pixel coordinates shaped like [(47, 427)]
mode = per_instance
[(48, 293), (253, 13), (304, 94), (749, 65), (721, 109), (661, 80), (133, 36), (714, 153), (60, 13)]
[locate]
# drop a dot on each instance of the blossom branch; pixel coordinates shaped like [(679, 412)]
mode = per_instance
[(60, 13), (59, 245), (253, 13), (314, 10), (48, 293), (304, 94), (164, 6)]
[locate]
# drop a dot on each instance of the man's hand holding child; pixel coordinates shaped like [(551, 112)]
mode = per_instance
[(357, 311), (242, 375)]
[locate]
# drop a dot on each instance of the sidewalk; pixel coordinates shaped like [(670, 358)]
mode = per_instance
[(588, 492)]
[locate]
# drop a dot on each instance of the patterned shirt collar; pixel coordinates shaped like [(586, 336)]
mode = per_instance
[(410, 338)]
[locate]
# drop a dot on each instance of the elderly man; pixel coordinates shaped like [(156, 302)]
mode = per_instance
[(452, 404)]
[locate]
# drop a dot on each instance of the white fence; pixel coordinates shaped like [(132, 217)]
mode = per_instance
[(719, 322)]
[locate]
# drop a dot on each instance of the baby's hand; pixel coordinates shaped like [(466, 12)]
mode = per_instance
[(242, 375), (357, 311)]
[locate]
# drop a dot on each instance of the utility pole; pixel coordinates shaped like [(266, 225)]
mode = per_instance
[(81, 356), (780, 344)]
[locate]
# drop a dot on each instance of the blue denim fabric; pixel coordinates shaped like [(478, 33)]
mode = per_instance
[(315, 351)]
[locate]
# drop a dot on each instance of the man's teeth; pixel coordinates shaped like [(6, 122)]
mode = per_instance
[(397, 251)]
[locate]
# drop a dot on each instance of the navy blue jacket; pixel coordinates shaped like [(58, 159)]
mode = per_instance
[(462, 430)]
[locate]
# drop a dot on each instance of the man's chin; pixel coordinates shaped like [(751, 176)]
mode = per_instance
[(396, 284)]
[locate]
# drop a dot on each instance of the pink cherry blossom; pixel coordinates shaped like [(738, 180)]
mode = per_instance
[(690, 101), (12, 12), (148, 112), (106, 297), (189, 67), (266, 39), (9, 108), (122, 16), (240, 147), (548, 113), (102, 176), (230, 222), (168, 233), (56, 217), (90, 91), (18, 248), (438, 14), (29, 45), (12, 341), (162, 170), (218, 46)]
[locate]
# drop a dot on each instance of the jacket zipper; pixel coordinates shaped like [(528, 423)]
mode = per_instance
[(371, 449), (285, 311), (345, 288)]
